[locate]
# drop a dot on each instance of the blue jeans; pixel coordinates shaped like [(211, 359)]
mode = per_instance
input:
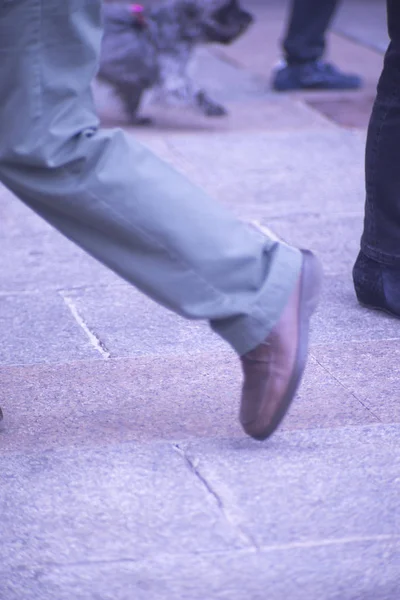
[(381, 236), (308, 22)]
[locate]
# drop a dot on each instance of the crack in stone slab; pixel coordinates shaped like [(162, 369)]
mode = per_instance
[(264, 549), (95, 342), (346, 388), (194, 469)]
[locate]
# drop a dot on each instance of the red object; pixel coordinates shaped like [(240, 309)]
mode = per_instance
[(136, 8), (137, 11)]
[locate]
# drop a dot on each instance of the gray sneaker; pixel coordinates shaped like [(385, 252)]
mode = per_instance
[(316, 75)]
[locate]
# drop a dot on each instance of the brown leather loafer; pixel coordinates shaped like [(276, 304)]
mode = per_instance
[(273, 370)]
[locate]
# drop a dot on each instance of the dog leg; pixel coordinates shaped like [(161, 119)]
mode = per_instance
[(185, 93), (176, 85), (207, 106), (131, 100)]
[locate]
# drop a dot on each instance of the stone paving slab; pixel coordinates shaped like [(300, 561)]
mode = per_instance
[(352, 570), (151, 398), (142, 399), (364, 21), (17, 220), (309, 514), (307, 485), (40, 328), (370, 371), (122, 502), (48, 262), (340, 319), (278, 173), (130, 324), (335, 238), (348, 111)]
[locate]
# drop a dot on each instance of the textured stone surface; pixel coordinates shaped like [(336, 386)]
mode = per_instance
[(335, 238), (106, 401), (355, 570), (266, 175), (365, 22), (49, 261), (212, 521), (339, 318), (125, 502), (147, 398), (322, 403), (351, 111), (307, 486), (278, 174), (128, 323), (368, 370), (40, 328), (17, 219)]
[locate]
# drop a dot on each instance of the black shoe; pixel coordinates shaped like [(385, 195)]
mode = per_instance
[(313, 76), (377, 286)]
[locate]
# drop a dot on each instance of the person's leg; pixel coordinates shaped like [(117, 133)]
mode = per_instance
[(118, 201), (113, 197), (304, 46), (308, 23), (376, 272)]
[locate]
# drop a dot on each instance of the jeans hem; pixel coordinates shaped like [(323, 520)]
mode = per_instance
[(379, 256)]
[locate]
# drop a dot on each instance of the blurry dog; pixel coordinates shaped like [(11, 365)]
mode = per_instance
[(151, 50)]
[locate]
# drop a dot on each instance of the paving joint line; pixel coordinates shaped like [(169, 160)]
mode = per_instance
[(347, 389), (283, 547), (95, 341), (61, 291), (194, 469), (363, 342)]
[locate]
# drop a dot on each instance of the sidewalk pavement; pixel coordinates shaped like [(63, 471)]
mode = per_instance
[(124, 474)]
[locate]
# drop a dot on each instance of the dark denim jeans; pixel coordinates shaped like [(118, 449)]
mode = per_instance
[(381, 237), (307, 25)]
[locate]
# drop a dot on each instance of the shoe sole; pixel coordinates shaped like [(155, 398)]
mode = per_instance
[(315, 88), (310, 287)]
